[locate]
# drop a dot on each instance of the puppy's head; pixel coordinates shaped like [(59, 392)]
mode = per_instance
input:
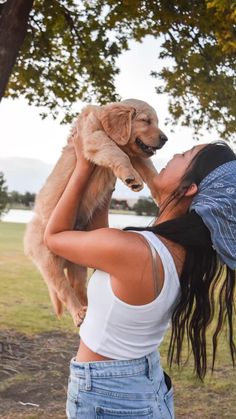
[(133, 125), (116, 120), (146, 137)]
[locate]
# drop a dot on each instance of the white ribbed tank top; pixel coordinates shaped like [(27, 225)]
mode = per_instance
[(118, 330)]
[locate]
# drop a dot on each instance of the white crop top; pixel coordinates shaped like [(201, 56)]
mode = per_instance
[(118, 330)]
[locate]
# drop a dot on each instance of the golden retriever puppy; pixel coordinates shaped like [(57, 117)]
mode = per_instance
[(110, 136)]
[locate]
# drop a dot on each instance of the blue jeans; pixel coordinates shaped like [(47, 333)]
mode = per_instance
[(132, 389)]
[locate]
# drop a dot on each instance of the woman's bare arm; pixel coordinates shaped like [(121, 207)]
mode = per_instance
[(63, 217), (107, 249)]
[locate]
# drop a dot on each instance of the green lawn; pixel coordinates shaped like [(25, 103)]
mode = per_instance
[(24, 300), (25, 308)]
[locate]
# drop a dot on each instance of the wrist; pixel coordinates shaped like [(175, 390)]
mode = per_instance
[(84, 171)]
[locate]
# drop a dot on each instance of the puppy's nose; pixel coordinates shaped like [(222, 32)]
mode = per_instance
[(163, 139)]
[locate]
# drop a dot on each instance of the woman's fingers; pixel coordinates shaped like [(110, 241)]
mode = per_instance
[(82, 314)]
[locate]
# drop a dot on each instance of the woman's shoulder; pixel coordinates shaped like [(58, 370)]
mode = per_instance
[(165, 248), (177, 251)]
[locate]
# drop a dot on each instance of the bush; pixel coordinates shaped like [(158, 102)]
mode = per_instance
[(3, 194), (146, 206)]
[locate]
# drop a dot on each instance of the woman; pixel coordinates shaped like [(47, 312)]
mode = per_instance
[(136, 290)]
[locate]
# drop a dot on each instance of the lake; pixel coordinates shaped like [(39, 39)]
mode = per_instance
[(115, 220)]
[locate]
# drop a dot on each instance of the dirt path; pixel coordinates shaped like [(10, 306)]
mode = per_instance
[(34, 370)]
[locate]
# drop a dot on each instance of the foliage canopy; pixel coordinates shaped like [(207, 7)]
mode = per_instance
[(71, 47)]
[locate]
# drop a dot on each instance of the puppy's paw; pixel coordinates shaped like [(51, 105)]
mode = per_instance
[(79, 316), (133, 181)]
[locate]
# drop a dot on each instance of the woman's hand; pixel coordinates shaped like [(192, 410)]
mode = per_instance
[(85, 166)]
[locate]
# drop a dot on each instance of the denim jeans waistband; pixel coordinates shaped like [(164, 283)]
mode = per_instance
[(116, 368)]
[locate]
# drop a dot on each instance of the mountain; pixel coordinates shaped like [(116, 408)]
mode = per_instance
[(25, 174)]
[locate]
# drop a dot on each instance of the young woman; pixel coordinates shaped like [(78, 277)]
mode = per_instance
[(146, 278)]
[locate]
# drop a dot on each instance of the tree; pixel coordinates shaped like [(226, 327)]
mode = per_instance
[(14, 197), (202, 81), (67, 55), (70, 50), (28, 199), (3, 194), (145, 206), (13, 26), (120, 204)]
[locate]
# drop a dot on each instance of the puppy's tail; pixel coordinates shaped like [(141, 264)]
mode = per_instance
[(57, 304)]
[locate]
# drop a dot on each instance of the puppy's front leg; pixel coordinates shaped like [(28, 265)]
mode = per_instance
[(101, 150), (147, 171)]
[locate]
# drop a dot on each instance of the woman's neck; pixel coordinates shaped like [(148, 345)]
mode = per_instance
[(173, 209)]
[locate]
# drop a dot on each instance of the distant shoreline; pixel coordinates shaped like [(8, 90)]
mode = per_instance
[(116, 220), (111, 211)]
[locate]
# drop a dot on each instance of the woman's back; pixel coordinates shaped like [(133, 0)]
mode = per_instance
[(119, 330)]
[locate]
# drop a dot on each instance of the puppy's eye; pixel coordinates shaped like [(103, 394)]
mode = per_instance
[(147, 120)]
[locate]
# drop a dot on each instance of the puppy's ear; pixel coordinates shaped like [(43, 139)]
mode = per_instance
[(116, 120)]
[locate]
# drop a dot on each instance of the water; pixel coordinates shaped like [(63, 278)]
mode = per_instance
[(115, 220), (17, 216)]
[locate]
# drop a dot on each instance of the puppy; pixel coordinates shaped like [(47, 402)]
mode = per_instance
[(110, 135)]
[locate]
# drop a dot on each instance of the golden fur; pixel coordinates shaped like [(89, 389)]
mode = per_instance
[(109, 134)]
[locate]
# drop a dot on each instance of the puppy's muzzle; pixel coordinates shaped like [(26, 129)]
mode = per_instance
[(150, 150)]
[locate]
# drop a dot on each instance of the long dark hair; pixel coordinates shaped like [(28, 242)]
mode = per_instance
[(207, 287)]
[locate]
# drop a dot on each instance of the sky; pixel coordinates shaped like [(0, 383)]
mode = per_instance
[(25, 134)]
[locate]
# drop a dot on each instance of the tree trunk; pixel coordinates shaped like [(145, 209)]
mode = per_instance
[(13, 27)]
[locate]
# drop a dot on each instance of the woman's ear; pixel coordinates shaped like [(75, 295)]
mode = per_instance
[(116, 120), (192, 190)]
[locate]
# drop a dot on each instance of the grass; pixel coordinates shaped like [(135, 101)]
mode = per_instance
[(120, 211), (24, 300), (25, 307)]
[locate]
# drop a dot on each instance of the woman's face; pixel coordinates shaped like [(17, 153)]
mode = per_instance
[(169, 178)]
